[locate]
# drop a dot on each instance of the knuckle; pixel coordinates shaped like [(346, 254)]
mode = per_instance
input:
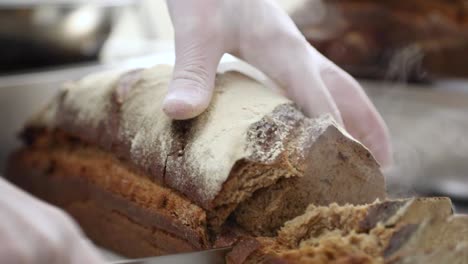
[(195, 68), (193, 72)]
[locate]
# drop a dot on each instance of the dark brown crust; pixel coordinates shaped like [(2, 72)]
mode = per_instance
[(282, 125), (352, 179), (115, 205)]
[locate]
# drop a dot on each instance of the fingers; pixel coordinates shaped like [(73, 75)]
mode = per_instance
[(84, 252), (304, 85), (198, 47), (359, 115), (39, 233), (312, 81), (279, 50), (74, 247), (262, 34)]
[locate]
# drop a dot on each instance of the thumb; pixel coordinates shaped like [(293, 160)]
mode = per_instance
[(198, 51)]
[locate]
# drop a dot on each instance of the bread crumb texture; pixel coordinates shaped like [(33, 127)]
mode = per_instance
[(398, 231)]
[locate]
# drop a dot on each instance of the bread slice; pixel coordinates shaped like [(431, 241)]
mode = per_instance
[(383, 232), (116, 206), (107, 136)]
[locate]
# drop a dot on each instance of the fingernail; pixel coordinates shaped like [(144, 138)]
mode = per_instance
[(180, 104)]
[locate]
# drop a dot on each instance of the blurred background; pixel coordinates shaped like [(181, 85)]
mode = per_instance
[(410, 56)]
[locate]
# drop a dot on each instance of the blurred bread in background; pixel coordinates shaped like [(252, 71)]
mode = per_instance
[(392, 39)]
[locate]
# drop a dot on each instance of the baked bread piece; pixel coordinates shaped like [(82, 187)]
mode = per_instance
[(408, 40), (104, 150), (116, 206), (383, 232)]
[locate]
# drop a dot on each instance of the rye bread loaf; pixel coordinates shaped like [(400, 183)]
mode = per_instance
[(104, 150)]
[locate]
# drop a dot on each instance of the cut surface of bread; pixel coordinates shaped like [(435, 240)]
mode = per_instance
[(382, 232)]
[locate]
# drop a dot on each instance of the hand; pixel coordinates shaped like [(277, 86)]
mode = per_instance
[(34, 232), (262, 34)]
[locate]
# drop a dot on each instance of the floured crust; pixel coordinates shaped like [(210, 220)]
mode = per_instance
[(123, 114)]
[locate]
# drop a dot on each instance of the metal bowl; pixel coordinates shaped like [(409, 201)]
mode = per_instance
[(46, 33)]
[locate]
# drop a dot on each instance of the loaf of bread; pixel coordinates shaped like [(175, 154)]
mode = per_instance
[(398, 39), (418, 230), (142, 184)]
